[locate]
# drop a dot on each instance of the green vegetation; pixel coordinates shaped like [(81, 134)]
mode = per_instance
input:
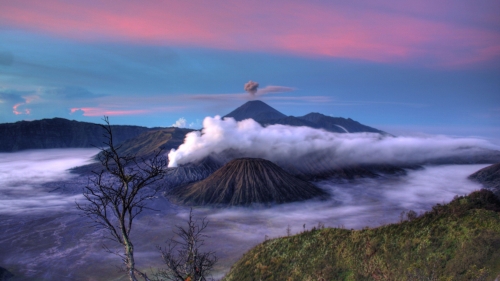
[(456, 241)]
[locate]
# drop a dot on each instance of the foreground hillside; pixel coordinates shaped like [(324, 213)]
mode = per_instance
[(457, 241)]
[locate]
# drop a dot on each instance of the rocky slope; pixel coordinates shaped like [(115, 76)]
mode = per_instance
[(150, 141), (246, 181)]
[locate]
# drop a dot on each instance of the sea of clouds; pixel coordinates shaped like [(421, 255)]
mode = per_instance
[(22, 175), (231, 232)]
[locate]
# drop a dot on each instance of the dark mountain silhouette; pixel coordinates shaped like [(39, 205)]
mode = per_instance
[(63, 133), (489, 177), (59, 133), (245, 181), (257, 110), (290, 121), (266, 115), (338, 124), (5, 275)]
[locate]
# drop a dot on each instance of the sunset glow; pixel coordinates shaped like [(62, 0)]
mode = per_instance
[(429, 65), (302, 28)]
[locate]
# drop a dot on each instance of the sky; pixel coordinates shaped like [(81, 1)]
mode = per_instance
[(406, 67)]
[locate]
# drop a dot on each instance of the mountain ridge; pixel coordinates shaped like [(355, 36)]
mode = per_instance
[(59, 133), (267, 115), (63, 133)]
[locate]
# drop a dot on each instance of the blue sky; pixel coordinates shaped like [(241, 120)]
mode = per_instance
[(431, 68)]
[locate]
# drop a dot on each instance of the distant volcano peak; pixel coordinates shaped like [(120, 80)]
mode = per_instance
[(257, 110), (245, 181), (266, 115)]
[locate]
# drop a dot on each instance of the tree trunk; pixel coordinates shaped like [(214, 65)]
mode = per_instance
[(130, 262)]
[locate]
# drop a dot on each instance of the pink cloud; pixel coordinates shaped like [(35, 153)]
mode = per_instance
[(16, 111), (379, 31), (96, 111), (27, 99), (125, 106)]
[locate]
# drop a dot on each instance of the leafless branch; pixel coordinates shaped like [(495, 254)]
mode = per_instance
[(183, 257), (118, 193)]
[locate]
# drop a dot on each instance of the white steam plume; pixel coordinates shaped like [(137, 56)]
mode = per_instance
[(294, 145)]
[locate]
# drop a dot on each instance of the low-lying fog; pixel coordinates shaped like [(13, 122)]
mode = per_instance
[(23, 173), (42, 236)]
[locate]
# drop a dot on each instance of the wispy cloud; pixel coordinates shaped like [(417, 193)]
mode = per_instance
[(180, 123), (118, 106), (217, 97), (77, 101), (308, 99), (429, 33), (183, 123), (20, 108), (398, 103), (71, 93), (254, 93), (273, 90), (96, 111)]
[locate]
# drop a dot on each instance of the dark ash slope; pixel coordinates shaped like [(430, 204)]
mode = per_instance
[(246, 181)]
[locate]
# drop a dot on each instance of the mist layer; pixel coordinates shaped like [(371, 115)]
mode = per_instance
[(22, 175)]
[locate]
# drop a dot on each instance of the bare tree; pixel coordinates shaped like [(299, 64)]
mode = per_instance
[(183, 258), (119, 192)]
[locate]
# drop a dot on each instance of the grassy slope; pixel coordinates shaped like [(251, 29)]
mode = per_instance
[(457, 241)]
